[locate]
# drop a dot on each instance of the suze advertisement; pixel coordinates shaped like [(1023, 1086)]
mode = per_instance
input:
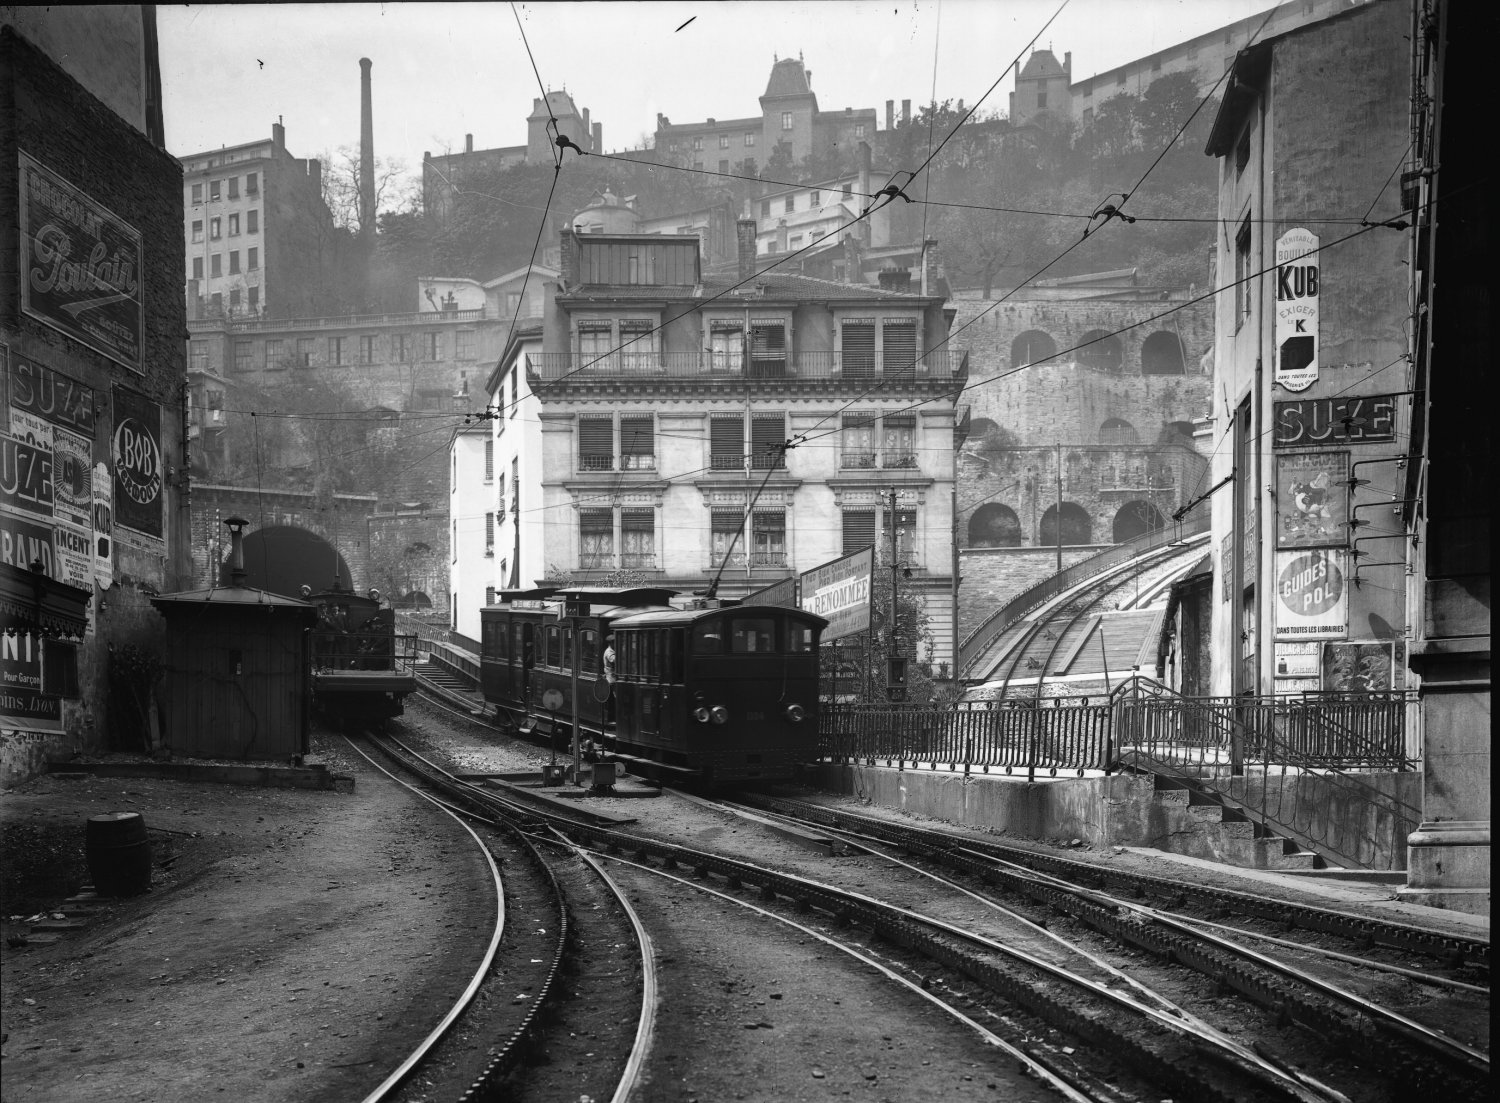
[(1312, 594), (1296, 310)]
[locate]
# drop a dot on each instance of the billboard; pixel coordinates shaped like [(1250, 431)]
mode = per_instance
[(1312, 499), (1296, 331), (840, 592), (1312, 594)]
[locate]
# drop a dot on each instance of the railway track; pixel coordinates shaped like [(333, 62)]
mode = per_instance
[(1420, 1055)]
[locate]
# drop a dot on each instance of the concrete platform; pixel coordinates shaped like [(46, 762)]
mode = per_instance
[(273, 777)]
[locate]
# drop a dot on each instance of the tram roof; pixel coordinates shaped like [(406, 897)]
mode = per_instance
[(617, 595), (663, 617)]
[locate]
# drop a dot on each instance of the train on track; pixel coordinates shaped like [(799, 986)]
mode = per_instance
[(718, 695), (361, 667)]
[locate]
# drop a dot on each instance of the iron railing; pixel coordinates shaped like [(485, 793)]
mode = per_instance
[(549, 367), (357, 321), (1290, 763), (978, 642)]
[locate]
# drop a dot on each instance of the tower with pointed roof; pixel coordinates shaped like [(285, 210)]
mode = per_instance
[(1042, 86)]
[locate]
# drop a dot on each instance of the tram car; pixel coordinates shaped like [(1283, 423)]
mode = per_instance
[(362, 668), (720, 696)]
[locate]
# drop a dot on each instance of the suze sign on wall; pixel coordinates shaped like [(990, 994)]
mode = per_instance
[(1359, 419), (1296, 310)]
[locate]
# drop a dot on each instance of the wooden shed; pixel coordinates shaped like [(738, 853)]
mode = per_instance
[(237, 677)]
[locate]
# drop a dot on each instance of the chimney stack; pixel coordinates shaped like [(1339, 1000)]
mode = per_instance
[(598, 138), (744, 230), (468, 143), (366, 152), (315, 173), (895, 279), (587, 127), (568, 257), (1068, 64), (890, 114), (929, 266), (905, 112), (781, 235), (278, 136)]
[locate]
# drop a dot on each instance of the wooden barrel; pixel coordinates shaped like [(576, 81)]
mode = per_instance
[(118, 853)]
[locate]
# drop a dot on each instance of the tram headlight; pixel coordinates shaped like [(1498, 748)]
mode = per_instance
[(796, 713), (719, 714), (701, 715)]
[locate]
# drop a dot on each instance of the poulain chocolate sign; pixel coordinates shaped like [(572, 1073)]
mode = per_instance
[(1297, 310)]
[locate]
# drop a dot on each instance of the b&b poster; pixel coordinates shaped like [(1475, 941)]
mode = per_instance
[(135, 454)]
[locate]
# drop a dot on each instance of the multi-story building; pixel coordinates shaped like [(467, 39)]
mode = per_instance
[(789, 116), (259, 241), (728, 433), (445, 174), (92, 523), (1042, 86)]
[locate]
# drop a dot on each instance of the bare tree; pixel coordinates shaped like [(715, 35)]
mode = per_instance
[(394, 188)]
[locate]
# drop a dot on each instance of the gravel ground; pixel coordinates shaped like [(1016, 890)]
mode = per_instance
[(294, 941)]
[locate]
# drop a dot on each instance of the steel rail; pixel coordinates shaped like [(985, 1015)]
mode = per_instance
[(1033, 1065), (388, 1086)]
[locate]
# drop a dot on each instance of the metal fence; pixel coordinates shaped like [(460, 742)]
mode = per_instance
[(943, 364), (1063, 733)]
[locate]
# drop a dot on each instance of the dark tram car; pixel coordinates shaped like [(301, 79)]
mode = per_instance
[(362, 669), (730, 694), (724, 695)]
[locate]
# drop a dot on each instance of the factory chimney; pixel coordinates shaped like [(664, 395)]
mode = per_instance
[(366, 153)]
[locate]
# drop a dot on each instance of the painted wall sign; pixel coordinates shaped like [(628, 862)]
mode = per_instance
[(25, 475), (1312, 595), (72, 477), (1298, 659), (1362, 419), (1226, 566), (104, 526), (81, 266), (73, 552), (23, 705), (41, 391), (135, 454), (23, 541), (1312, 499), (1296, 329), (840, 591)]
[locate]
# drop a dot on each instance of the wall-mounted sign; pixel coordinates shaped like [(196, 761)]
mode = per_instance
[(1298, 658), (1296, 329), (135, 454), (1358, 667), (1363, 419), (41, 391), (72, 477), (1312, 499), (26, 474), (80, 266), (22, 542), (1312, 595), (104, 526), (840, 592), (23, 705)]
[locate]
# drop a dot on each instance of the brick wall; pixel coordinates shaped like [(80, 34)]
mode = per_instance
[(50, 116)]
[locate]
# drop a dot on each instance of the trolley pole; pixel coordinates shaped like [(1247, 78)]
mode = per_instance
[(1059, 507), (573, 678)]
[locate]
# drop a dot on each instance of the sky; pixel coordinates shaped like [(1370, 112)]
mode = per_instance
[(442, 71)]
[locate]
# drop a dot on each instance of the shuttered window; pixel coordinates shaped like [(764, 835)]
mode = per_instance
[(898, 432), (768, 538), (859, 529), (596, 444), (858, 441), (637, 443), (768, 441), (857, 348), (727, 524), (767, 349), (726, 443), (898, 343)]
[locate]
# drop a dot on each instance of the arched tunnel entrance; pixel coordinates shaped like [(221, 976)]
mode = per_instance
[(284, 558)]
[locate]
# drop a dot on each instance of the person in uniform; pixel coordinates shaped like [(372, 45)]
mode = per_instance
[(609, 676)]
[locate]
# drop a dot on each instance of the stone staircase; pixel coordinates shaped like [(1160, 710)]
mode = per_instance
[(1206, 824), (450, 686)]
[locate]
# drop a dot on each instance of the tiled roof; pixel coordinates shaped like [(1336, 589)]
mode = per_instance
[(788, 78), (1042, 64)]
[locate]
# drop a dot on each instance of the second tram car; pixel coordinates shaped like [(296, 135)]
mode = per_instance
[(362, 669), (728, 694)]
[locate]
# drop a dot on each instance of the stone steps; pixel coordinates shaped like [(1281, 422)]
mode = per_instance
[(1229, 832)]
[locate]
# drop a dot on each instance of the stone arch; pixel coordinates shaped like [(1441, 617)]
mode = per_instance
[(1077, 526), (1116, 430), (414, 599), (994, 526), (981, 427), (1136, 518), (284, 558), (1161, 354), (1105, 353), (1031, 346)]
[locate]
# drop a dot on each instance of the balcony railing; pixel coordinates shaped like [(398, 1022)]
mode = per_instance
[(768, 559), (553, 366), (857, 460), (356, 321), (596, 561), (638, 561)]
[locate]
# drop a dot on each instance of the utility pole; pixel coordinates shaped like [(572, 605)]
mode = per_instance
[(1059, 506), (895, 683)]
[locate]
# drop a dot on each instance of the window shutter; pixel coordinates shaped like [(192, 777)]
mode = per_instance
[(596, 443), (637, 443), (857, 346), (767, 438), (859, 529), (726, 442), (768, 349), (899, 344)]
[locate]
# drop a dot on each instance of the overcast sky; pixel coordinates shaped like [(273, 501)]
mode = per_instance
[(445, 70)]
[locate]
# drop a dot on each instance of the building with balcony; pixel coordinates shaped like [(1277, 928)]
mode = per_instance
[(731, 432), (258, 239)]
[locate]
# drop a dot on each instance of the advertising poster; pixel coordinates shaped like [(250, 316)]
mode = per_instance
[(24, 541), (80, 266), (1312, 499), (104, 527), (73, 553), (1226, 566), (52, 397), (72, 477), (1296, 322), (26, 466), (1312, 595), (135, 453), (1358, 667), (840, 592), (22, 703), (1299, 660), (1358, 419)]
